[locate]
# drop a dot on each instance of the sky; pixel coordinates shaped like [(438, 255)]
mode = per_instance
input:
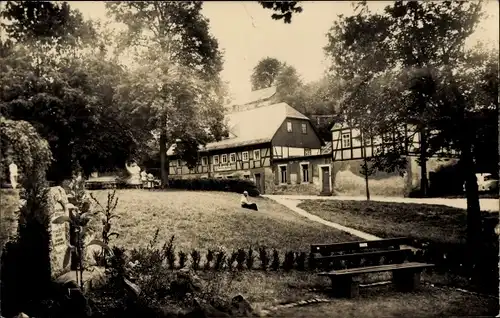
[(246, 33)]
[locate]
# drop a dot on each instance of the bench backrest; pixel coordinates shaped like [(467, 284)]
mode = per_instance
[(359, 253), (358, 246)]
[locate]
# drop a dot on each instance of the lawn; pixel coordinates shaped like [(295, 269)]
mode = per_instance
[(423, 222), (206, 220), (384, 302)]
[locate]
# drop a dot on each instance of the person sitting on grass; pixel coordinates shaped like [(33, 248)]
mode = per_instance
[(246, 204)]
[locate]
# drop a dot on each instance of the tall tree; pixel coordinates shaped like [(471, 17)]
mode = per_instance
[(429, 87), (265, 73), (177, 78)]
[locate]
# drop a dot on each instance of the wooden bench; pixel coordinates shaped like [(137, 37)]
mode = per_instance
[(343, 263)]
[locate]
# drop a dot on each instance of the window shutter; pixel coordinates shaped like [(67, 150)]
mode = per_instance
[(276, 175), (311, 172), (288, 172), (299, 173)]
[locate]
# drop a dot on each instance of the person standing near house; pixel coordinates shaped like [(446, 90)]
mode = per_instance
[(246, 204), (13, 175)]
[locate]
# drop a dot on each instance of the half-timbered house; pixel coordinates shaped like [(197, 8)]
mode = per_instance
[(350, 147), (260, 131)]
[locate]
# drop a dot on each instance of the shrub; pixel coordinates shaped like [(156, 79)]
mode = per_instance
[(240, 259), (169, 251), (210, 258), (301, 261), (182, 259), (311, 262), (264, 258), (289, 261), (219, 260), (212, 184), (275, 265), (232, 259), (250, 258), (196, 258)]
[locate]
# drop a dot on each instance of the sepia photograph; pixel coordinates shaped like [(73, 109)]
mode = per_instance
[(294, 159)]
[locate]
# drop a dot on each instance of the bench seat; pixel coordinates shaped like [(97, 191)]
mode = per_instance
[(376, 269)]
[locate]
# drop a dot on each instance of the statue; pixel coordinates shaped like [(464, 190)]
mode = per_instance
[(134, 171), (13, 175)]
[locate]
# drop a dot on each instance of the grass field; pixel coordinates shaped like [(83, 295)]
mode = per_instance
[(436, 223), (206, 220)]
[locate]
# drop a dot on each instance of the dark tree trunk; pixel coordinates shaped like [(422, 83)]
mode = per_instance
[(163, 160), (424, 184), (472, 195)]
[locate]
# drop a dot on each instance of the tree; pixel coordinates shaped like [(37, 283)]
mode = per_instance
[(54, 80), (429, 86), (26, 268), (177, 80), (284, 9), (265, 73)]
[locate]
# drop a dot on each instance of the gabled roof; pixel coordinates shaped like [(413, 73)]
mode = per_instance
[(256, 96), (253, 126)]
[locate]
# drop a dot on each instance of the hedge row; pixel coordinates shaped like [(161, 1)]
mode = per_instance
[(212, 184)]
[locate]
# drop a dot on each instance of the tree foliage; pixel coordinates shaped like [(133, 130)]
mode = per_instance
[(283, 9), (414, 54), (175, 91), (265, 73)]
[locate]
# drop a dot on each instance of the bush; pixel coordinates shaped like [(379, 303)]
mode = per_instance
[(289, 261), (210, 258), (250, 259), (275, 265), (196, 258), (301, 261), (211, 184), (219, 260), (240, 259), (264, 258)]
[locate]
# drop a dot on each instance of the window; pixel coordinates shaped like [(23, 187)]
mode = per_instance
[(232, 158), (289, 126), (245, 155), (216, 159), (282, 174), (307, 151), (346, 140), (204, 161), (256, 155), (223, 159), (304, 128), (305, 172)]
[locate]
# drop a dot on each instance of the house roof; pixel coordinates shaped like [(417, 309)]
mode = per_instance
[(256, 96), (253, 126)]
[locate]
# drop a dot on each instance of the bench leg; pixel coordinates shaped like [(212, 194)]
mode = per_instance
[(345, 286), (406, 280)]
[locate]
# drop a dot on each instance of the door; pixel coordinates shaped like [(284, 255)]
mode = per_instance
[(257, 182), (325, 173)]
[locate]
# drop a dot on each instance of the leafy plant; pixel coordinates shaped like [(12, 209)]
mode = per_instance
[(108, 214), (220, 258), (301, 261), (182, 259), (241, 256), (232, 259), (250, 258), (196, 258), (289, 261), (275, 265), (210, 258), (264, 258), (311, 261), (169, 250), (79, 222)]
